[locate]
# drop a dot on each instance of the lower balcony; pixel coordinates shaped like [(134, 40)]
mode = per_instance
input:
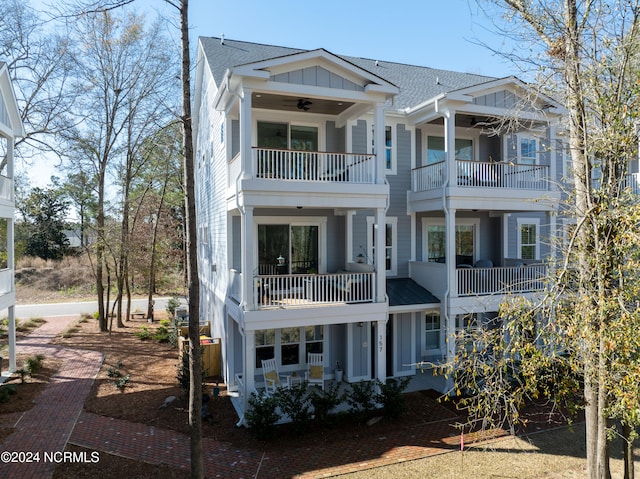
[(290, 291)]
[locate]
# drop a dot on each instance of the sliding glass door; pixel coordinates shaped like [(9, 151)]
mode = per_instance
[(287, 249)]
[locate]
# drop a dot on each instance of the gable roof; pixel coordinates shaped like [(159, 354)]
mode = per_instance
[(416, 83), (9, 102)]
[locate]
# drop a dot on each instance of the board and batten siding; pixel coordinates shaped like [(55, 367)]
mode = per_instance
[(317, 76)]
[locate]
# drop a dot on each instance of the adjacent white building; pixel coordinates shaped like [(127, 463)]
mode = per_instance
[(10, 129), (363, 209)]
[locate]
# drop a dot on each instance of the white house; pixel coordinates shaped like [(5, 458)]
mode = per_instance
[(10, 129), (361, 208)]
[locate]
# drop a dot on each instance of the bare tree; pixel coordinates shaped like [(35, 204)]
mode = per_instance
[(587, 55)]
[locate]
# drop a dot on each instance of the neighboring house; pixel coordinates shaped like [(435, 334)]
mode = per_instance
[(363, 209), (10, 129)]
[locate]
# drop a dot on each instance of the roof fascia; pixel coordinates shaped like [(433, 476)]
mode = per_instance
[(264, 69)]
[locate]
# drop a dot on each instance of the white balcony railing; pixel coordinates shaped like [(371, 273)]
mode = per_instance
[(6, 188), (6, 281), (501, 280), (484, 175), (299, 290), (295, 165)]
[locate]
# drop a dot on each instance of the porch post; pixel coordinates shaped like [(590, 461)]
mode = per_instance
[(380, 263), (249, 369), (381, 350), (450, 146), (248, 301), (379, 136), (553, 160), (11, 259), (246, 154), (450, 248)]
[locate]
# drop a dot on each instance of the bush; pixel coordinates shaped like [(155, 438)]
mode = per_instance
[(33, 364), (391, 396), (6, 391), (162, 333), (143, 333), (362, 398), (323, 401), (262, 415), (295, 403)]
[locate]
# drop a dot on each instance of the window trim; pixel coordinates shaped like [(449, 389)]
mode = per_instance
[(426, 222), (520, 222), (423, 330), (519, 138), (319, 221), (389, 220)]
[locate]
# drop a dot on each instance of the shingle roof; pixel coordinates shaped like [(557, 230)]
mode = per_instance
[(416, 83), (405, 292)]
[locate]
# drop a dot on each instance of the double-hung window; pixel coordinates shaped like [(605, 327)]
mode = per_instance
[(389, 152), (528, 238), (523, 149), (432, 327)]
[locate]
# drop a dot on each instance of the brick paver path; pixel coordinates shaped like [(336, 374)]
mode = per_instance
[(57, 419), (46, 427)]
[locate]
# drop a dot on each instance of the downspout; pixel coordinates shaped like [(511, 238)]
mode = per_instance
[(243, 304)]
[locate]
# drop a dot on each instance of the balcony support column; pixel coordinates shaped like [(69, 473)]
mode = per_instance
[(450, 145), (380, 262), (248, 301), (246, 154), (248, 368), (379, 137), (381, 351)]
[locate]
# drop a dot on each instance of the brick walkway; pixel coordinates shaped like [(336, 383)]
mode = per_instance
[(57, 419)]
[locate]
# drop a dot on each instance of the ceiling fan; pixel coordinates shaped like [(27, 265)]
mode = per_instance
[(303, 104)]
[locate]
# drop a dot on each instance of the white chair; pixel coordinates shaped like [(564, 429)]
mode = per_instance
[(272, 379), (315, 370)]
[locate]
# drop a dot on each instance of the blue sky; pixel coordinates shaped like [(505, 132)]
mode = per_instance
[(435, 33)]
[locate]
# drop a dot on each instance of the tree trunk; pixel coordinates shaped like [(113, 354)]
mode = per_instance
[(195, 363), (628, 433)]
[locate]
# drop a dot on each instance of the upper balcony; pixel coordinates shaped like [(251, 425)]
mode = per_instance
[(287, 177), (480, 182)]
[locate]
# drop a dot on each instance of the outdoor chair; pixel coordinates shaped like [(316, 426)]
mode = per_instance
[(272, 379), (315, 370)]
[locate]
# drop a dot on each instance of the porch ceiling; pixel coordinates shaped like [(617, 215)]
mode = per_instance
[(323, 106)]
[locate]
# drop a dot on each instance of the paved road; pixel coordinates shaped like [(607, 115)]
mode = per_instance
[(25, 311)]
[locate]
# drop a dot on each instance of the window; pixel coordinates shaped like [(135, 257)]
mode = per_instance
[(286, 342), (288, 249), (285, 136), (313, 336), (564, 156), (389, 158), (432, 328), (436, 149), (523, 149), (290, 346), (435, 241), (390, 237), (265, 345), (528, 238)]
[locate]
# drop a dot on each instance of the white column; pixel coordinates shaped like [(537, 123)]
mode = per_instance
[(451, 341), (553, 158), (348, 219), (450, 248), (381, 350), (249, 369), (379, 135), (380, 265), (248, 266), (450, 145), (246, 153)]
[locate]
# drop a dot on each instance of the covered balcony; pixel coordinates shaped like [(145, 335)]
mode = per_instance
[(288, 291), (482, 174)]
